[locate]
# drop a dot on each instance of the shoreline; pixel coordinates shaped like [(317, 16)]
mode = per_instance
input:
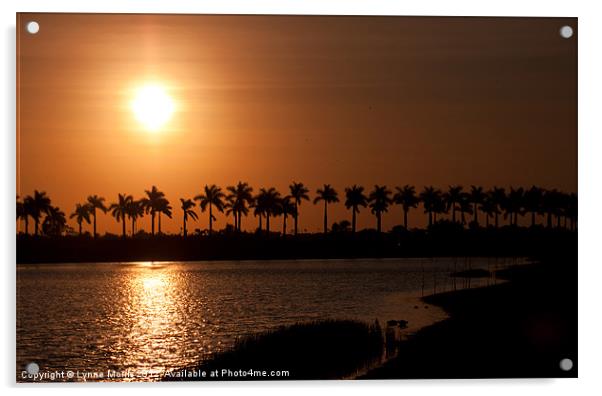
[(521, 328)]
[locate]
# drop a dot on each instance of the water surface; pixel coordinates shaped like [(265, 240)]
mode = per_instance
[(151, 317)]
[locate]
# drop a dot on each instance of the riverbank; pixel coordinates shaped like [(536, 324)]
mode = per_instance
[(519, 329)]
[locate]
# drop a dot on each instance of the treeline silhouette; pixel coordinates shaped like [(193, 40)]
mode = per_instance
[(461, 206)]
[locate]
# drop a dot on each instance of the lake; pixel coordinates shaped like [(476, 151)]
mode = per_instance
[(148, 317)]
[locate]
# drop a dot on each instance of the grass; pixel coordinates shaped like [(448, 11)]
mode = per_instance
[(326, 349)]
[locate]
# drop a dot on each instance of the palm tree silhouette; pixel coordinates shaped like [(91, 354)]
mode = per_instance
[(489, 208), (354, 198), (135, 210), (37, 205), (229, 209), (498, 198), (514, 205), (152, 203), (81, 214), (96, 202), (532, 202), (285, 208), (476, 198), (22, 213), (452, 198), (268, 201), (55, 221), (439, 207), (429, 197), (328, 195), (298, 193), (119, 209), (241, 195), (212, 197), (163, 207), (187, 205), (379, 203), (465, 207), (406, 197)]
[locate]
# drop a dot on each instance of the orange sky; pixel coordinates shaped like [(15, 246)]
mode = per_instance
[(272, 99)]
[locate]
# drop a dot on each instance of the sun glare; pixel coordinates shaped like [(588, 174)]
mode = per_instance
[(152, 107)]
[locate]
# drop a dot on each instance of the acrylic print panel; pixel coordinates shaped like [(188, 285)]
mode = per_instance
[(214, 197)]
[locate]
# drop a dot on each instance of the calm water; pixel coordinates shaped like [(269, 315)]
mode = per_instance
[(152, 317)]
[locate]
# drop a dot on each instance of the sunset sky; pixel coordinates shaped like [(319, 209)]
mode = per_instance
[(275, 99)]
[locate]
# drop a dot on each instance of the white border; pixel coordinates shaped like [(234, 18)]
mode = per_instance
[(590, 189)]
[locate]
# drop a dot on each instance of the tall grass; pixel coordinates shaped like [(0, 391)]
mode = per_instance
[(326, 349)]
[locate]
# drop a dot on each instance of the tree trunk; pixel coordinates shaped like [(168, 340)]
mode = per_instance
[(378, 222), (267, 223), (296, 214), (26, 225), (325, 217), (210, 218), (453, 213), (133, 225), (159, 223), (353, 219), (123, 226), (153, 222), (260, 223), (476, 214), (284, 224), (405, 219), (496, 219), (532, 219), (37, 226), (184, 226), (79, 223), (94, 214)]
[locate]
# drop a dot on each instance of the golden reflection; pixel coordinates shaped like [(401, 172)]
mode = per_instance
[(153, 319)]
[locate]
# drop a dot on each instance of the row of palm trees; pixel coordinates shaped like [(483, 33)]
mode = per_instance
[(237, 201)]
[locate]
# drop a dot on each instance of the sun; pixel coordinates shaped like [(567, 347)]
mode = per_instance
[(152, 106)]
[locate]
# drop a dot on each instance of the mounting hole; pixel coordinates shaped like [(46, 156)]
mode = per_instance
[(566, 364), (566, 31), (32, 368), (32, 27)]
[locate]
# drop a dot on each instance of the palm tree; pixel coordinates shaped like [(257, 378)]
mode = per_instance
[(514, 204), (37, 205), (452, 198), (267, 201), (354, 198), (489, 208), (152, 203), (135, 210), (429, 197), (96, 202), (240, 195), (81, 214), (22, 213), (187, 205), (212, 197), (230, 209), (476, 198), (497, 196), (55, 222), (465, 207), (119, 209), (286, 207), (532, 201), (379, 203), (298, 193), (439, 207), (328, 195), (406, 197), (163, 207)]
